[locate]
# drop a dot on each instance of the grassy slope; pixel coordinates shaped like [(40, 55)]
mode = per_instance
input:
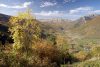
[(95, 63), (91, 29)]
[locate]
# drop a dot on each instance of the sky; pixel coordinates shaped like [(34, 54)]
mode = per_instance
[(46, 9)]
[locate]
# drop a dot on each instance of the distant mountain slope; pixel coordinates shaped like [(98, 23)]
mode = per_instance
[(83, 20), (57, 25), (90, 29)]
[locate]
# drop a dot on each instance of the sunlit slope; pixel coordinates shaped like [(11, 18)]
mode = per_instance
[(91, 29)]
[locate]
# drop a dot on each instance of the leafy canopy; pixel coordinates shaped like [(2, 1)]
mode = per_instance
[(25, 31)]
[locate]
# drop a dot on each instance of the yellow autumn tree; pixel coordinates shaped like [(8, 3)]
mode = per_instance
[(25, 32)]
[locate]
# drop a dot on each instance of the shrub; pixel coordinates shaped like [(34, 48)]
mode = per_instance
[(95, 52), (48, 54), (81, 55)]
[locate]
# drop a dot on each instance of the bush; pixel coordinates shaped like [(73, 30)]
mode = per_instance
[(48, 54), (82, 56), (95, 52)]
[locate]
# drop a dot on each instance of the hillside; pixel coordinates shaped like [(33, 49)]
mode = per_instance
[(4, 25), (90, 29), (83, 20), (56, 25)]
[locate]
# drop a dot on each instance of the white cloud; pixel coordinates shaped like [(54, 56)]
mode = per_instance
[(46, 4), (84, 10), (96, 11), (55, 14), (49, 13), (71, 14), (66, 1), (80, 9), (3, 5), (24, 5)]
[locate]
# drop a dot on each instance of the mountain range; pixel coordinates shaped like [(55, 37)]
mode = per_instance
[(87, 26)]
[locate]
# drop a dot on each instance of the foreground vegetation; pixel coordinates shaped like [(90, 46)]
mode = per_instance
[(31, 46)]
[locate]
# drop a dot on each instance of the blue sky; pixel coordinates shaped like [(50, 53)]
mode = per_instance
[(44, 9)]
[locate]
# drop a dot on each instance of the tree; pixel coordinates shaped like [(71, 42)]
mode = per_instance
[(25, 32)]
